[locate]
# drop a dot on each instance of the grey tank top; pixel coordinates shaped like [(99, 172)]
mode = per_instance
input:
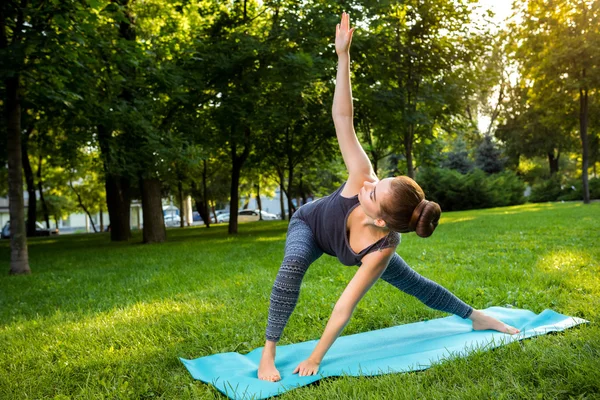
[(327, 217)]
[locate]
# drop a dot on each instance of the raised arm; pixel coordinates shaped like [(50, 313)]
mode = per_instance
[(357, 163), (374, 264)]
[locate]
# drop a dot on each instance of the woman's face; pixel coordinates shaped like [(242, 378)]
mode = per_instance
[(372, 194)]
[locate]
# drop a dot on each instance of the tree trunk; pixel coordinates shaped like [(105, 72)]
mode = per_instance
[(553, 161), (181, 205), (236, 168), (289, 191), (201, 206), (40, 187), (234, 195), (205, 211), (583, 124), (281, 192), (408, 144), (118, 201), (19, 256), (154, 224), (214, 212), (258, 202), (118, 196), (101, 220), (31, 201)]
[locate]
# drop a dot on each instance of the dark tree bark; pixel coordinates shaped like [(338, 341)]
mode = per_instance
[(258, 201), (201, 205), (181, 205), (41, 191), (118, 200), (19, 256), (237, 161), (302, 191), (553, 161), (583, 125), (291, 208), (32, 200), (205, 208), (101, 220), (154, 225), (118, 196), (281, 192)]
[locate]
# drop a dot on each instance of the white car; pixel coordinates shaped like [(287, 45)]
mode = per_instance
[(172, 220), (268, 216), (253, 215), (224, 217)]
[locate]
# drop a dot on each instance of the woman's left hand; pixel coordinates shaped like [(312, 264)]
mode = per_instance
[(307, 368)]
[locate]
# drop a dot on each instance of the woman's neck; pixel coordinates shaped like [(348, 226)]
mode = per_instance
[(367, 223)]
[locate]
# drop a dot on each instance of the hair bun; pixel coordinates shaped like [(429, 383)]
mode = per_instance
[(427, 218)]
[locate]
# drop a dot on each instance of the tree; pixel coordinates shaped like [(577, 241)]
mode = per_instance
[(537, 124), (488, 157), (458, 158), (558, 44), (421, 66)]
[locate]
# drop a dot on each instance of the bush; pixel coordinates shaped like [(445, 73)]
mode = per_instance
[(573, 190), (546, 190), (455, 191)]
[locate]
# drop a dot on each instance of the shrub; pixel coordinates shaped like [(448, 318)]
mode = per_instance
[(573, 190), (546, 190), (455, 191)]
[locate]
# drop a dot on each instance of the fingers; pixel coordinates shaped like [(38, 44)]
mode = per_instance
[(307, 372), (345, 21), (511, 329)]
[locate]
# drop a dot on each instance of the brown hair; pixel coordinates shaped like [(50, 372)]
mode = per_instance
[(406, 210)]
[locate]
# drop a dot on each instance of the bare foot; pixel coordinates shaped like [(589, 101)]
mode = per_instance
[(482, 322), (267, 370)]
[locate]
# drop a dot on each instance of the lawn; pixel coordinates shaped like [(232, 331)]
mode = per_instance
[(103, 320)]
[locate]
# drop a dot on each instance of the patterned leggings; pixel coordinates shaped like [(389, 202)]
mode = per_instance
[(301, 250)]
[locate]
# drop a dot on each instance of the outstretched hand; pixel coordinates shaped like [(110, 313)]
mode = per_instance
[(307, 368), (343, 35)]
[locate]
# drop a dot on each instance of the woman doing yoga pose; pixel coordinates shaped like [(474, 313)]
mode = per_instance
[(359, 224)]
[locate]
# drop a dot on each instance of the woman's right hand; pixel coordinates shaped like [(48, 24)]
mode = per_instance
[(343, 35)]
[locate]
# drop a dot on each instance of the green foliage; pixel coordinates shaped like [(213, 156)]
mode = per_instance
[(109, 320), (415, 73), (546, 190), (573, 190), (3, 181), (458, 159), (59, 207), (488, 157), (475, 189)]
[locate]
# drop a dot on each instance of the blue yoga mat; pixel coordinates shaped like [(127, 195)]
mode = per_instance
[(401, 348)]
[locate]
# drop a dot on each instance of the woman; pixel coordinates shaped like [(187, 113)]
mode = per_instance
[(359, 224)]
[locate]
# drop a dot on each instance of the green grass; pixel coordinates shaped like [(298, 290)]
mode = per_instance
[(103, 320)]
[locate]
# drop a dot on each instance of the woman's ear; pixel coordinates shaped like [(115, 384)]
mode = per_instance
[(380, 223)]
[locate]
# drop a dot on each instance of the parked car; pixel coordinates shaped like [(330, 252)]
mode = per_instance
[(172, 220), (253, 215), (40, 230), (268, 216), (223, 217), (196, 217)]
